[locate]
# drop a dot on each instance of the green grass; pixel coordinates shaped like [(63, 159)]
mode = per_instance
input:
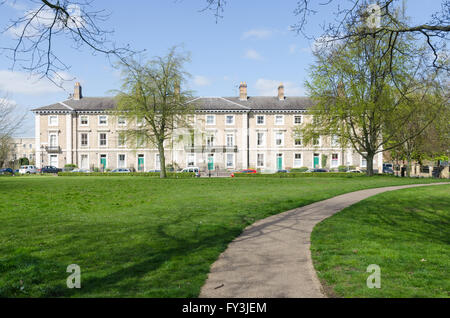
[(405, 232), (137, 237)]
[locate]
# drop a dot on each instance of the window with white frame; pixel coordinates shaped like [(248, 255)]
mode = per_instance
[(230, 140), (139, 121), (260, 140), (210, 140), (316, 141), (363, 162), (210, 119), (297, 119), (334, 160), (230, 160), (84, 140), (334, 141), (103, 120), (84, 162), (140, 141), (298, 160), (53, 140), (84, 120), (121, 121), (279, 119), (191, 159), (157, 161), (279, 138), (102, 141), (121, 139), (260, 120), (260, 160), (230, 120), (53, 120), (297, 140), (121, 161)]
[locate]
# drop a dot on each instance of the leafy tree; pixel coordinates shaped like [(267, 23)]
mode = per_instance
[(362, 87), (151, 97)]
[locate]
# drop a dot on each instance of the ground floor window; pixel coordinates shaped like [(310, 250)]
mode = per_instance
[(334, 160), (260, 160), (53, 160), (157, 162), (121, 161), (297, 160), (230, 160)]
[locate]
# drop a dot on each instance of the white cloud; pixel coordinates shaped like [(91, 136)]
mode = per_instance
[(28, 84), (200, 80), (268, 87), (7, 102), (253, 55), (257, 34)]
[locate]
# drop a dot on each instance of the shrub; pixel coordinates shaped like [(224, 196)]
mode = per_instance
[(301, 175), (342, 169), (171, 175), (301, 169)]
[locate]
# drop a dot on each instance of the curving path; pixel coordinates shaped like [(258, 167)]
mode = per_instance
[(272, 258)]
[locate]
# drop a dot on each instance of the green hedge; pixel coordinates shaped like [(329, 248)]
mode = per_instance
[(181, 175), (301, 175)]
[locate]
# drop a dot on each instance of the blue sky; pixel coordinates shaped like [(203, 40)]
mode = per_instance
[(251, 43)]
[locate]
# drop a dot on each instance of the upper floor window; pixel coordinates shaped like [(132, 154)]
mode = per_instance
[(210, 140), (260, 120), (230, 120), (334, 141), (102, 139), (31, 146), (279, 139), (53, 120), (279, 120), (297, 119), (84, 140), (102, 120), (210, 119), (260, 140), (316, 141), (230, 140), (121, 140), (297, 140), (121, 121), (84, 121), (260, 160)]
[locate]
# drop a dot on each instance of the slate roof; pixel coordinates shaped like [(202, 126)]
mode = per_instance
[(253, 103)]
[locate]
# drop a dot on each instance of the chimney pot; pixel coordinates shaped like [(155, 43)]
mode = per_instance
[(281, 91), (243, 91), (77, 95)]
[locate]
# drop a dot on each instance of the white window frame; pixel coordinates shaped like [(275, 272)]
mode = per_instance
[(301, 160), (232, 121), (99, 139), (50, 162), (119, 121), (213, 122), (99, 120), (119, 134), (282, 138), (50, 120), (337, 160), (233, 160), (232, 139), (81, 120), (263, 143), (81, 139), (157, 161), (296, 136), (263, 161), (301, 120), (319, 144), (361, 162), (263, 119), (282, 120), (125, 160), (334, 142), (208, 139), (50, 139), (187, 159), (81, 161)]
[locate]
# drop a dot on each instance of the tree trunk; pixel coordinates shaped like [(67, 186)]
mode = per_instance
[(369, 159), (162, 161)]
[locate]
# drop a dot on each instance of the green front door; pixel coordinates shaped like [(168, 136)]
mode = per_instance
[(279, 161), (141, 163), (103, 162), (316, 161), (211, 162)]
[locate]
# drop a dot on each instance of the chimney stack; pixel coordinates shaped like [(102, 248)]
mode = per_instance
[(243, 91), (281, 91), (77, 92)]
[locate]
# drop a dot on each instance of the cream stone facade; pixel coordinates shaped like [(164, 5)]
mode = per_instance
[(23, 147), (231, 132)]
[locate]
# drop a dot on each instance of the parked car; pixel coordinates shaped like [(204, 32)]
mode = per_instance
[(246, 171), (283, 171), (121, 170), (196, 170), (317, 170), (354, 171), (6, 171), (28, 169), (50, 169), (388, 168), (81, 170), (154, 170)]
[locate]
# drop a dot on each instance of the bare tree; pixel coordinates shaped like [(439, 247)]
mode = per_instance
[(9, 123), (37, 30)]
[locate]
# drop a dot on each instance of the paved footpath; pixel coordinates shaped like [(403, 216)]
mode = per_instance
[(272, 258)]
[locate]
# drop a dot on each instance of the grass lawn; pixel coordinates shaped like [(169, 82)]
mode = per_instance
[(405, 232), (137, 236)]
